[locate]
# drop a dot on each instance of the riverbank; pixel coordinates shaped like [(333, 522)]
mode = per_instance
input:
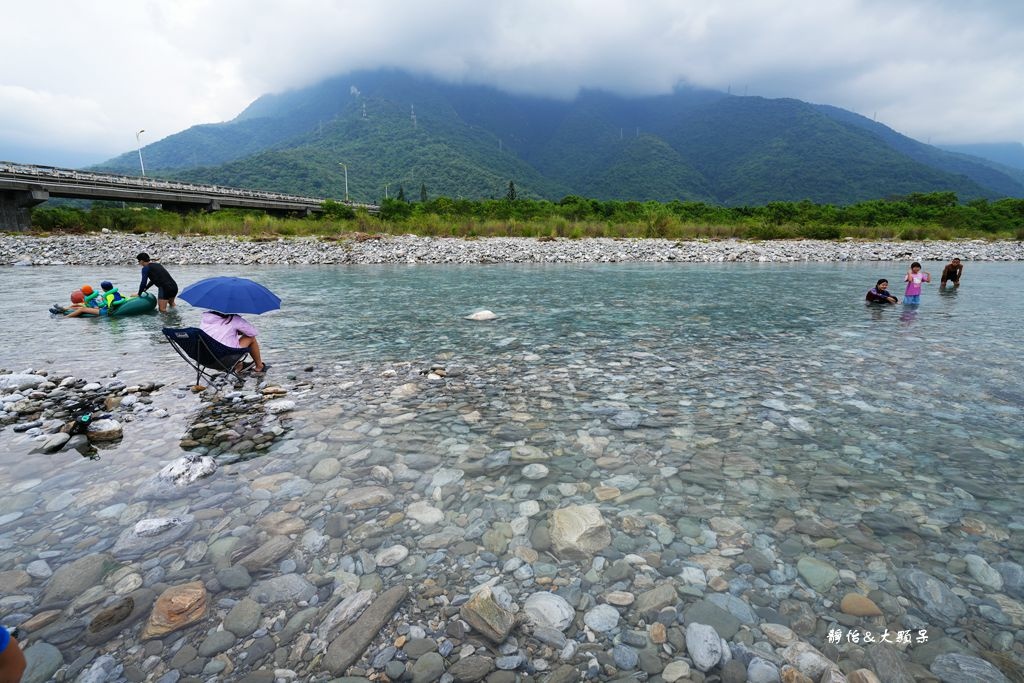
[(111, 249)]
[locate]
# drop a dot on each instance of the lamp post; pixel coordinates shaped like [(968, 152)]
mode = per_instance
[(346, 179), (138, 142)]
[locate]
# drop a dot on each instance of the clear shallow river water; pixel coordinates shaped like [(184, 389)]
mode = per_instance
[(769, 394)]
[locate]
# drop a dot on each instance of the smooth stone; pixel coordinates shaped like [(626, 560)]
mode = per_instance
[(424, 513), (859, 606), (41, 661), (578, 532), (957, 668), (325, 469), (349, 646), (486, 616), (39, 569), (243, 618), (366, 497), (818, 574), (71, 580), (675, 671), (284, 588), (704, 612), (471, 669), (177, 607), (935, 597), (704, 646), (390, 556), (984, 574), (762, 671), (104, 430), (655, 599), (482, 315), (625, 657), (601, 618), (807, 660), (216, 642), (427, 668), (548, 609)]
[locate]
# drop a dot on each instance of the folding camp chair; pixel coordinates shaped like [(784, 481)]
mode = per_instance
[(207, 355)]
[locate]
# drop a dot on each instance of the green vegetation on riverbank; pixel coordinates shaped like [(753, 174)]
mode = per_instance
[(936, 216)]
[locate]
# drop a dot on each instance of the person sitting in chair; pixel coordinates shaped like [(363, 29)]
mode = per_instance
[(234, 331)]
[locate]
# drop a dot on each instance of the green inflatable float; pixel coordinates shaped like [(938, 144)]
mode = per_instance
[(136, 305)]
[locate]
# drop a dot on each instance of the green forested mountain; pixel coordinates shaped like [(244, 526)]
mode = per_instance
[(393, 129)]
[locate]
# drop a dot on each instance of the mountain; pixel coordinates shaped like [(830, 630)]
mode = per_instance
[(1009, 154), (394, 129)]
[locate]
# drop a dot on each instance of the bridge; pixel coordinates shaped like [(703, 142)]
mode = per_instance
[(23, 186)]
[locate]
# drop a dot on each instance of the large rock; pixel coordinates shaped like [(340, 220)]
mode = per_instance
[(818, 574), (935, 597), (548, 609), (704, 645), (243, 618), (73, 579), (889, 664), (655, 599), (41, 661), (956, 668), (151, 535), (187, 469), (578, 532), (807, 660), (350, 645), (19, 382), (104, 430), (484, 614), (177, 607), (272, 550), (984, 574), (366, 497), (859, 606), (471, 669), (481, 316), (283, 588)]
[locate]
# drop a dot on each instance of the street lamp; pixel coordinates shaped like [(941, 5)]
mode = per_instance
[(346, 179), (138, 142)]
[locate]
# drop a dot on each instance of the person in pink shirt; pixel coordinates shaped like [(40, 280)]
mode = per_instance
[(914, 279), (234, 331)]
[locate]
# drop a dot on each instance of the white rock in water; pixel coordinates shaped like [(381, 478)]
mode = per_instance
[(188, 468), (280, 406), (703, 645), (548, 609), (104, 430), (391, 556), (19, 382), (535, 471), (424, 513), (156, 525), (482, 315)]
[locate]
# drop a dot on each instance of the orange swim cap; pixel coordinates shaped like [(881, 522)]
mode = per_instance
[(77, 297), (86, 289)]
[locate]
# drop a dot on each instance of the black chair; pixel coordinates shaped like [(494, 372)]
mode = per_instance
[(206, 355)]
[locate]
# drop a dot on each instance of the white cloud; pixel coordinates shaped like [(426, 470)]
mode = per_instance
[(86, 76)]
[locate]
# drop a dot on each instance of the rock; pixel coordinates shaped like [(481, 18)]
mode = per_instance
[(104, 430), (859, 606), (366, 497), (270, 552), (41, 661), (489, 618), (177, 607), (733, 671), (216, 642), (625, 657), (762, 671), (112, 615), (150, 535), (281, 405), (862, 676), (104, 669), (935, 598), (390, 556), (481, 315), (243, 618), (779, 635), (37, 569), (985, 575), (957, 668), (73, 579), (705, 612), (807, 660), (350, 645), (55, 442), (601, 618), (578, 532), (284, 588), (535, 471), (704, 646), (675, 671), (20, 382), (735, 607), (471, 669), (424, 513), (187, 469), (325, 469), (818, 574), (347, 611), (548, 609), (655, 599), (1012, 575)]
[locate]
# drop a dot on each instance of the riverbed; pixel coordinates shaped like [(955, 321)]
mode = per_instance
[(752, 436)]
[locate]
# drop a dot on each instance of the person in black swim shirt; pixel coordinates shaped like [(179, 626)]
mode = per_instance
[(880, 293), (155, 274)]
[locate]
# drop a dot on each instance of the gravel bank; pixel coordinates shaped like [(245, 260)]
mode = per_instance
[(119, 249)]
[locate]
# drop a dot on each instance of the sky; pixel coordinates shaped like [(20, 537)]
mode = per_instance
[(80, 79)]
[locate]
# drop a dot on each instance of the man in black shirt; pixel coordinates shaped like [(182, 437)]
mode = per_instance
[(155, 274)]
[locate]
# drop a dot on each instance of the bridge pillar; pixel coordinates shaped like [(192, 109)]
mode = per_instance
[(16, 207)]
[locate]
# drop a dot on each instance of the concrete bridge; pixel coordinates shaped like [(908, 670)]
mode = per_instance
[(23, 186)]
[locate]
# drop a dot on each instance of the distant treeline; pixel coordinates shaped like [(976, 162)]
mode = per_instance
[(936, 215)]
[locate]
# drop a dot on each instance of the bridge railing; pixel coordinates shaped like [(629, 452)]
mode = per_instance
[(33, 171)]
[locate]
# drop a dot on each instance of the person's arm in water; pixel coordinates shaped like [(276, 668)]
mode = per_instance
[(12, 660)]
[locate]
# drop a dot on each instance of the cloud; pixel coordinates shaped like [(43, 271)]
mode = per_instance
[(87, 76)]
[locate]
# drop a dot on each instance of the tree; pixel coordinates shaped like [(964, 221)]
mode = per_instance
[(511, 194), (423, 192), (401, 193)]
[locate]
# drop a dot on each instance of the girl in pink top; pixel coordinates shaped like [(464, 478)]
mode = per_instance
[(234, 331), (914, 279)]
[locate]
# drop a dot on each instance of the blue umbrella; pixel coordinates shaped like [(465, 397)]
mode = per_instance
[(231, 295)]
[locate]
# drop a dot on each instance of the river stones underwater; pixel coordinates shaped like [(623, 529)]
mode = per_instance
[(546, 513)]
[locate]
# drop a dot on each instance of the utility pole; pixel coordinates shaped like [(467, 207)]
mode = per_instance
[(138, 143), (346, 179)]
